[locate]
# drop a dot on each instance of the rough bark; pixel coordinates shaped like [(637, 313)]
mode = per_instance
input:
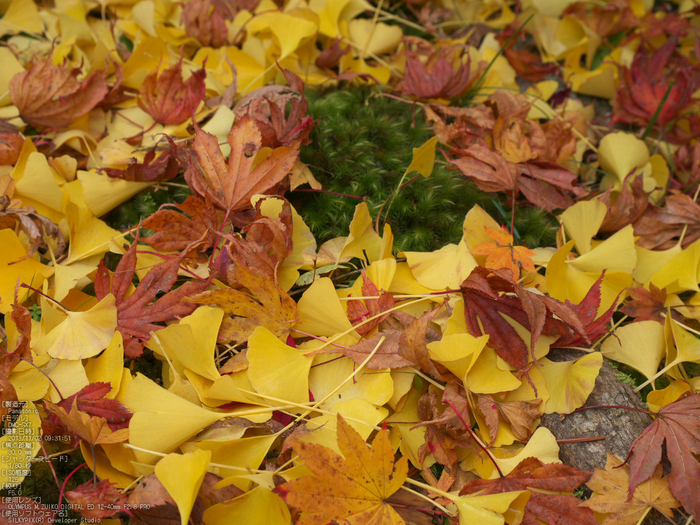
[(620, 427)]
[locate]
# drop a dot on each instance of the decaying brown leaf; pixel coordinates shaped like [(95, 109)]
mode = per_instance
[(50, 96)]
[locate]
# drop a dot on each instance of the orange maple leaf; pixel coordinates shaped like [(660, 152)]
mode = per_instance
[(353, 489), (502, 253)]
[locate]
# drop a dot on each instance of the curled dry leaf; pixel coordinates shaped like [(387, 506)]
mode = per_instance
[(659, 228), (549, 508), (678, 424), (50, 96), (360, 310), (96, 500), (167, 98), (152, 169), (521, 415)]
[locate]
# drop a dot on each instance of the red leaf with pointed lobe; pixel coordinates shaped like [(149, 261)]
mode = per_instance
[(167, 98)]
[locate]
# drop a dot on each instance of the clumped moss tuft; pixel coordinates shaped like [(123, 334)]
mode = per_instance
[(362, 147)]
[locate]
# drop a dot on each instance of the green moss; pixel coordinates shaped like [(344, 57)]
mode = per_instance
[(362, 146)]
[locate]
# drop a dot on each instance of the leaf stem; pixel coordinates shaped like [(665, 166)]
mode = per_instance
[(474, 437)]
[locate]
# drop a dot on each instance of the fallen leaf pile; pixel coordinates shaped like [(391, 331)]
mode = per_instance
[(213, 363)]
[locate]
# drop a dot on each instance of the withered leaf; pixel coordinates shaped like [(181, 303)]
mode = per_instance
[(519, 414), (50, 96), (648, 304), (413, 343), (540, 314), (265, 303), (678, 424), (231, 187), (548, 508), (152, 169), (610, 488), (386, 357), (659, 228), (630, 204), (192, 227), (138, 313), (360, 310), (96, 500), (438, 79), (167, 98)]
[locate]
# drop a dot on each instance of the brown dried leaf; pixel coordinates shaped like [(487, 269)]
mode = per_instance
[(231, 187), (50, 96), (265, 304), (630, 204), (610, 494), (194, 229), (648, 304), (167, 98), (660, 228), (521, 415), (547, 507), (204, 21), (386, 357)]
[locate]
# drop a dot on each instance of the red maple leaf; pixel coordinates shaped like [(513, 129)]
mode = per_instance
[(678, 424), (438, 79), (167, 98), (91, 400), (96, 500), (138, 313), (489, 293), (655, 74), (359, 310), (552, 509), (152, 169)]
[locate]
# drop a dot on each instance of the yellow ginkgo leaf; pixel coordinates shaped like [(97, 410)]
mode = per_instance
[(457, 352), (192, 341), (162, 421), (489, 509), (571, 382), (288, 378), (108, 367), (424, 158), (68, 377), (680, 273), (657, 399), (621, 153), (363, 241), (640, 345), (20, 16), (88, 234), (14, 267), (238, 454), (320, 311), (81, 334), (182, 475), (372, 38), (582, 221), (542, 445), (442, 269), (259, 502), (328, 373), (566, 281)]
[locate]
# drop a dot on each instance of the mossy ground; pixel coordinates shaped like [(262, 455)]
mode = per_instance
[(361, 146)]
